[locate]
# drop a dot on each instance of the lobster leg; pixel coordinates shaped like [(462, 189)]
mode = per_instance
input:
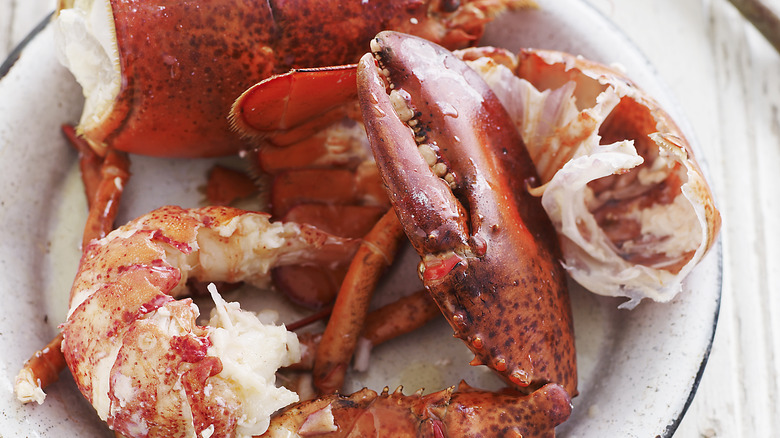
[(104, 180), (114, 173), (445, 148), (388, 322), (40, 370), (351, 307)]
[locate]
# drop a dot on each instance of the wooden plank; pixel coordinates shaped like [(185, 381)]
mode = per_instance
[(6, 16), (713, 404), (27, 15), (18, 18), (746, 98)]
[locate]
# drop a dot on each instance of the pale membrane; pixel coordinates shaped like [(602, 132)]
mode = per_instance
[(562, 128), (86, 44)]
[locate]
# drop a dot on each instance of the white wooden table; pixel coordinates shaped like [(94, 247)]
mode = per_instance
[(727, 79)]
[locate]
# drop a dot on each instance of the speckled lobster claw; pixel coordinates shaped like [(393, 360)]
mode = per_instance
[(446, 413), (446, 149)]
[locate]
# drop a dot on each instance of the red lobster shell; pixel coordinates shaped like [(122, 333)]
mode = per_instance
[(172, 69)]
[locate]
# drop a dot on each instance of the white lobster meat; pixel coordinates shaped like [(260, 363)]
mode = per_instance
[(618, 178), (137, 353)]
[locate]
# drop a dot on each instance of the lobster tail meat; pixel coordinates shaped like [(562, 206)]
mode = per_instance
[(137, 353), (447, 413), (456, 171)]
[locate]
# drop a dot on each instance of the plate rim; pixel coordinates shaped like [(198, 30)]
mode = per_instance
[(16, 52), (671, 427)]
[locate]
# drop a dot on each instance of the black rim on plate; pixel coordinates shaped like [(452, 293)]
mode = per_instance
[(672, 427), (17, 51)]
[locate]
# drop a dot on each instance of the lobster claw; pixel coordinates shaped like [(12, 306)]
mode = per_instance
[(447, 413), (457, 173)]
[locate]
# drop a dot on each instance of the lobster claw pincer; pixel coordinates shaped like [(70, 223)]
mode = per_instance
[(457, 172)]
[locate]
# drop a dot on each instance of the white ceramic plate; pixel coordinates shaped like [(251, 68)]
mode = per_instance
[(638, 369)]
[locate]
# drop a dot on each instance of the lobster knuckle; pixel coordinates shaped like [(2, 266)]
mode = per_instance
[(167, 100), (157, 93)]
